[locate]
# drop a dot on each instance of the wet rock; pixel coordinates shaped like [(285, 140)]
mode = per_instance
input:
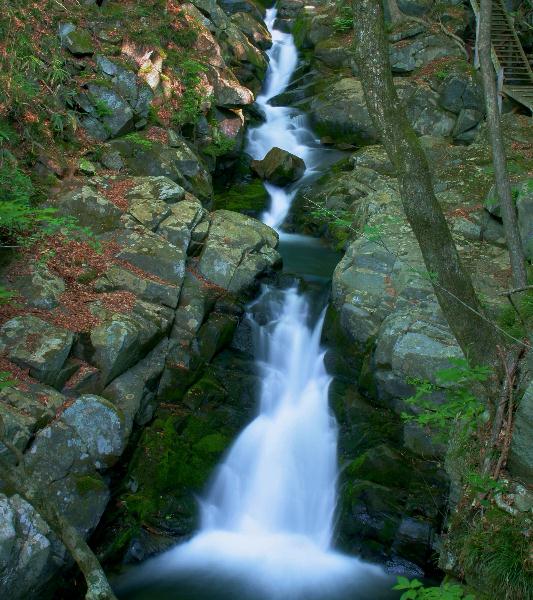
[(253, 28), (237, 250), (279, 167), (413, 540), (35, 344)]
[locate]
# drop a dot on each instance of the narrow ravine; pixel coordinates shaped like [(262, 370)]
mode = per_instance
[(267, 519)]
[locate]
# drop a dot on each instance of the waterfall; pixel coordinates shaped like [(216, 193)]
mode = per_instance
[(279, 477), (283, 127), (267, 518)]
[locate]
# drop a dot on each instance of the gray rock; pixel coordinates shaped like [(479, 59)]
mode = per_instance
[(279, 167), (521, 454), (122, 339), (91, 208), (176, 161), (99, 426), (340, 113), (417, 52), (524, 205), (237, 250), (77, 41), (154, 255), (109, 113), (156, 291), (40, 287), (35, 344), (131, 391), (25, 548), (178, 227)]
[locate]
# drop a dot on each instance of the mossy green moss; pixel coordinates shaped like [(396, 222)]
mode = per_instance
[(249, 198), (86, 484)]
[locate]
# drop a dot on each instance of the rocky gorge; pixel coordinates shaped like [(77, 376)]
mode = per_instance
[(129, 360)]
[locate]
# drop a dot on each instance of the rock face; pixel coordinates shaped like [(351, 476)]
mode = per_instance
[(279, 167), (185, 275), (521, 455)]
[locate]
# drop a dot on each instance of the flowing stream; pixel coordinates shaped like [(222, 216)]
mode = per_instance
[(267, 520)]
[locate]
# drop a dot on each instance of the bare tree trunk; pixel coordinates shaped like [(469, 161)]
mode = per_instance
[(501, 175), (453, 286), (15, 477)]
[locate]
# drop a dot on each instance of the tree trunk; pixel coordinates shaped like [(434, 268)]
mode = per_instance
[(501, 175), (98, 587), (453, 286)]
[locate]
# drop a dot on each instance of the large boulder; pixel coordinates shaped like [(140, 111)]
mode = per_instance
[(122, 339), (279, 167), (340, 113), (237, 250), (175, 160)]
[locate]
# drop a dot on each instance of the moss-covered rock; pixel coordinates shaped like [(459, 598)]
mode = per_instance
[(249, 198)]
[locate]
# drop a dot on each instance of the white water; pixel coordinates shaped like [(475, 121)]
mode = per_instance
[(267, 519), (283, 127), (279, 477)]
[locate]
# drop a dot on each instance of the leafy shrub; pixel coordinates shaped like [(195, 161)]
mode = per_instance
[(461, 403), (415, 590)]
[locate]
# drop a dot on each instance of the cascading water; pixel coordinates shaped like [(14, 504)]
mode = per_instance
[(283, 127), (279, 477), (267, 519)]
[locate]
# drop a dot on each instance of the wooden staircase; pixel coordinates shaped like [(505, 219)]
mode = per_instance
[(515, 77)]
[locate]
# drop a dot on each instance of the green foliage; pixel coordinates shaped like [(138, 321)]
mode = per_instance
[(343, 22), (22, 222), (194, 96), (221, 144), (6, 380), (137, 139), (518, 321), (414, 590), (101, 108), (494, 549), (483, 485), (461, 403)]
